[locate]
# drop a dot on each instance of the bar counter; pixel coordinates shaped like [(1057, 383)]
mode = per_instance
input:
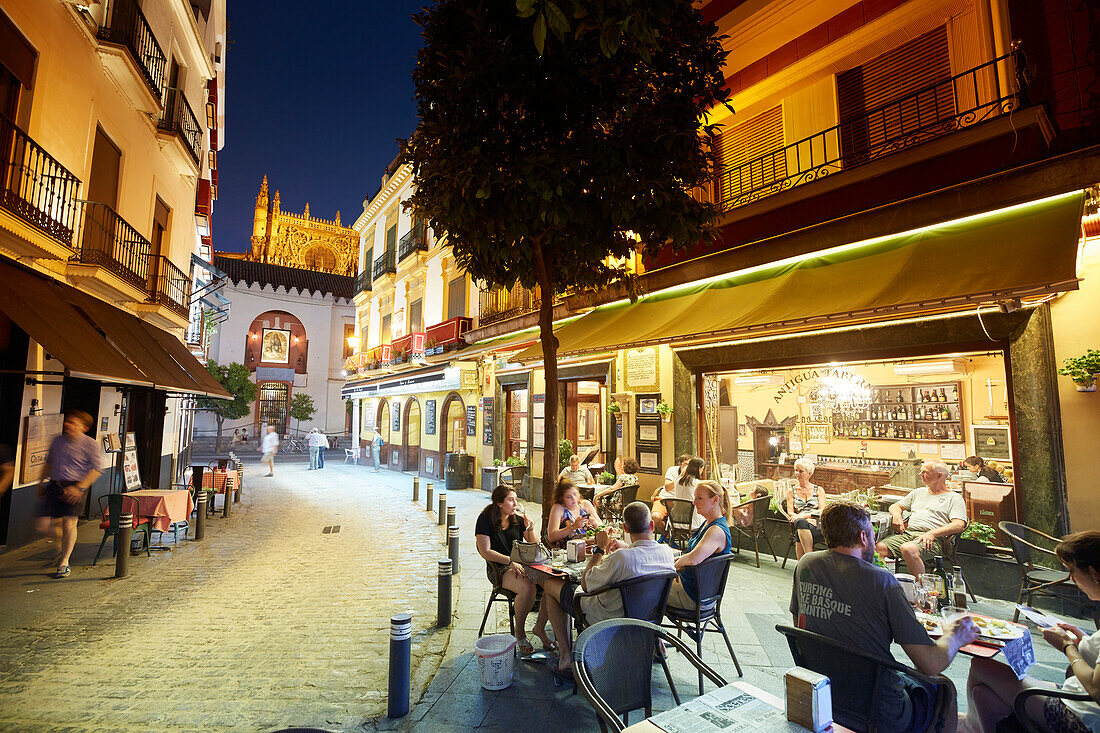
[(836, 479)]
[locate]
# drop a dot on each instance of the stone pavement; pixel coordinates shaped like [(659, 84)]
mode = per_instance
[(270, 623)]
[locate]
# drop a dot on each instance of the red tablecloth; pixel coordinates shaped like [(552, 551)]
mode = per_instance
[(161, 506), (217, 480)]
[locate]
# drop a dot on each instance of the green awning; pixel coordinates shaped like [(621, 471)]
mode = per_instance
[(1021, 251)]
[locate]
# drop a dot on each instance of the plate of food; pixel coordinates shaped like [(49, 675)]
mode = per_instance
[(930, 623), (995, 628)]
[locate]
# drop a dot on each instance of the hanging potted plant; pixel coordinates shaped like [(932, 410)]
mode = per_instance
[(1083, 370), (613, 408), (665, 411)]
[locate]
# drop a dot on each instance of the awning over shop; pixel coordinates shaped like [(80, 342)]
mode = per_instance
[(415, 381), (1022, 251), (95, 340)]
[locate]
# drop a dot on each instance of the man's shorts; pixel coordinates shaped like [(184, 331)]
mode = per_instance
[(54, 504), (267, 457), (565, 598), (895, 541)]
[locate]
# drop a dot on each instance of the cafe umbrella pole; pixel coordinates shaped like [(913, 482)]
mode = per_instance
[(443, 602), (442, 511), (400, 664)]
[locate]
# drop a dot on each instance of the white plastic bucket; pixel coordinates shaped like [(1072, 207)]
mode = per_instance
[(495, 661)]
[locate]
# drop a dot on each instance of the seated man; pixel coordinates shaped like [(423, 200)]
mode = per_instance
[(839, 593), (611, 562), (936, 513)]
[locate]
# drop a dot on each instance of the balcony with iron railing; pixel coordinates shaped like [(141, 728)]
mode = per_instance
[(417, 239), (500, 304), (177, 118), (127, 27), (385, 265), (169, 286), (106, 239), (363, 282), (34, 186), (979, 94)]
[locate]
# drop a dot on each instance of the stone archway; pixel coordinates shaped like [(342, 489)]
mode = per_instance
[(452, 425), (410, 435), (382, 425)]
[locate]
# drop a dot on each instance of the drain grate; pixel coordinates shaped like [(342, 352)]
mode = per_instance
[(331, 529)]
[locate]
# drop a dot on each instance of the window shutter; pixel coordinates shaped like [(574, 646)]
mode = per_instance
[(874, 102), (456, 297), (758, 142)]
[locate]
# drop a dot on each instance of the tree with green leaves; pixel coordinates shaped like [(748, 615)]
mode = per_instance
[(237, 380), (301, 408), (553, 136)]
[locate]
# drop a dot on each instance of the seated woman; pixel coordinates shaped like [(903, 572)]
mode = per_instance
[(803, 499), (977, 466), (992, 686), (498, 528), (712, 502), (575, 472), (570, 516), (682, 488), (626, 470)]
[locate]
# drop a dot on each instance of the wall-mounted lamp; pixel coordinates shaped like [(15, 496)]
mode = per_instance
[(252, 357), (34, 405), (296, 339), (252, 336), (118, 408), (352, 342)]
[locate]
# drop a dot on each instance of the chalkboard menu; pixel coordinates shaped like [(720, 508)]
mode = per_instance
[(471, 420), (395, 410), (429, 417), (486, 420)]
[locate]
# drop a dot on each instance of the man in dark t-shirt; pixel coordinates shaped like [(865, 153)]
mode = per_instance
[(838, 593)]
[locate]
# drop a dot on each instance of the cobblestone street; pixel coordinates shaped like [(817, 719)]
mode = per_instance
[(267, 623)]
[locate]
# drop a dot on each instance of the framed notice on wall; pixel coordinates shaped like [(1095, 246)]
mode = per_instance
[(38, 432), (395, 412), (538, 406), (429, 417), (640, 368), (991, 442)]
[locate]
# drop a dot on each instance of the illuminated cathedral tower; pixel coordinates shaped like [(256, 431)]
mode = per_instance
[(299, 240)]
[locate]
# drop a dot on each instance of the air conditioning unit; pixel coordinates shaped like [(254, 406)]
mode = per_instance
[(951, 366)]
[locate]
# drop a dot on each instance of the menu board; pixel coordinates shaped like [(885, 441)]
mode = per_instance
[(130, 473), (486, 420), (38, 432), (429, 417), (471, 421)]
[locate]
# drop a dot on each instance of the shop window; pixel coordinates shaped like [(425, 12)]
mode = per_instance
[(516, 422)]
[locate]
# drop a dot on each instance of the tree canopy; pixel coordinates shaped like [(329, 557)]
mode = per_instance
[(237, 380), (553, 135), (302, 408)]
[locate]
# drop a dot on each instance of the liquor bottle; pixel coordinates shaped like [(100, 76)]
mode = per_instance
[(899, 396), (940, 570), (904, 412), (890, 431), (946, 415), (954, 394), (958, 590), (943, 395)]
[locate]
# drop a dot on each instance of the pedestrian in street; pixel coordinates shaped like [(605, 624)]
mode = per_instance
[(322, 445), (376, 449), (269, 446), (314, 450), (72, 465)]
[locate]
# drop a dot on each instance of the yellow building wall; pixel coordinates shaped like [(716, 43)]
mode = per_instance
[(1075, 318)]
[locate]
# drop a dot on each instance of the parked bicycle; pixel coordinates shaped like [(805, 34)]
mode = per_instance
[(293, 445)]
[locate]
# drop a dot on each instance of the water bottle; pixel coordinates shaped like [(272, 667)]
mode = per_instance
[(958, 590)]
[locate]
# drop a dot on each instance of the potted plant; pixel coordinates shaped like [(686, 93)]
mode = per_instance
[(497, 463), (518, 466), (976, 538), (613, 407), (432, 347), (1083, 370), (398, 356), (664, 410), (565, 449), (607, 478)]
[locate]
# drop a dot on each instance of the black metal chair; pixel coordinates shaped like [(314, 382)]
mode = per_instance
[(1019, 705), (710, 580), (611, 505), (644, 598), (755, 529), (109, 514), (681, 513), (854, 678), (1035, 581), (791, 530), (612, 663), (514, 479), (500, 594)]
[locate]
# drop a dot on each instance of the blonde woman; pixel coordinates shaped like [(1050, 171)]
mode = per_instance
[(712, 503), (803, 499)]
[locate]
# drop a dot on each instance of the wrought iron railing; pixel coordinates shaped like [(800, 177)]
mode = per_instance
[(34, 186), (500, 304), (363, 282), (938, 109), (385, 265), (177, 117), (169, 285), (107, 240), (127, 27), (416, 240)]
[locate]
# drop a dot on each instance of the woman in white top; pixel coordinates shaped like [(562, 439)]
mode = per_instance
[(683, 488), (992, 686), (803, 500)]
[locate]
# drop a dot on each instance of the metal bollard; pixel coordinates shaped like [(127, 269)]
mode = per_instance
[(416, 488), (200, 517), (452, 547), (443, 602), (122, 544), (428, 505), (400, 664), (451, 519), (225, 500), (442, 512)]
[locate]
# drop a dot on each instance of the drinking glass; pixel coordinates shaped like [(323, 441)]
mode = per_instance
[(557, 558)]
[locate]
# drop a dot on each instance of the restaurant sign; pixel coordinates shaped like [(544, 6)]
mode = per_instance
[(811, 376)]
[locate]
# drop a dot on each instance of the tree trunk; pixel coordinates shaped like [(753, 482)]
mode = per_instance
[(550, 373), (218, 439)]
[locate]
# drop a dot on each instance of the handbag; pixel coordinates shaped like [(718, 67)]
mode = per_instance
[(529, 553)]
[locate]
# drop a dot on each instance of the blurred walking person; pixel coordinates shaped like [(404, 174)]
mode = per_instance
[(72, 466), (269, 446)]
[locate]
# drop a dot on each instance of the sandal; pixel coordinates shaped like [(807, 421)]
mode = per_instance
[(549, 645), (525, 647), (560, 675), (62, 571)]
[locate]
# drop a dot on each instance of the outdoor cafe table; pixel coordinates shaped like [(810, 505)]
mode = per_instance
[(161, 506), (762, 711)]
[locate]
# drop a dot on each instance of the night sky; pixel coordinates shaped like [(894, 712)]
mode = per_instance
[(315, 96)]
